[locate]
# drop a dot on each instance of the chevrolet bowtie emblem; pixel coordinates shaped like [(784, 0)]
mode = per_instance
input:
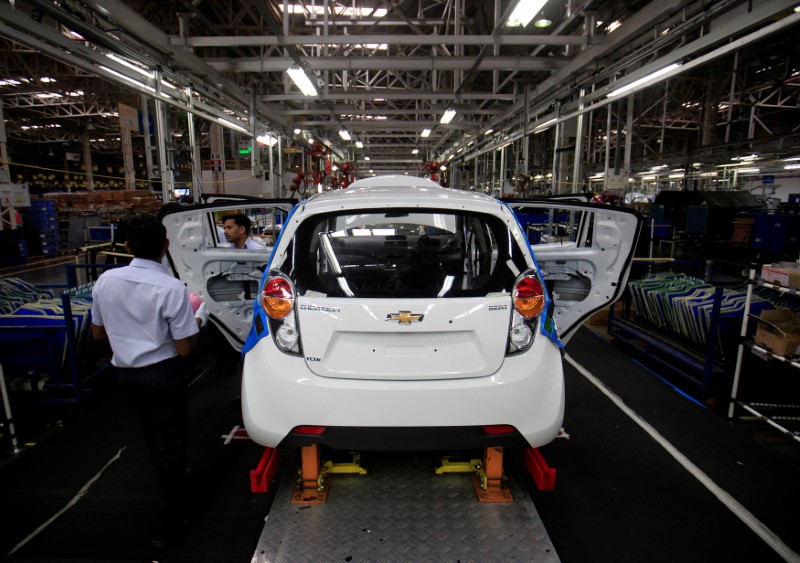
[(404, 317)]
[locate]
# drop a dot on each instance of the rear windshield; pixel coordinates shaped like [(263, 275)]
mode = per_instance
[(414, 253)]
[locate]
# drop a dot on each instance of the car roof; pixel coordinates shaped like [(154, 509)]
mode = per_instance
[(400, 191)]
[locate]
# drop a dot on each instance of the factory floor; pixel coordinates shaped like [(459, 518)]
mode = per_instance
[(644, 473)]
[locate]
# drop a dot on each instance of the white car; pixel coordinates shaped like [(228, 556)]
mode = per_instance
[(399, 315)]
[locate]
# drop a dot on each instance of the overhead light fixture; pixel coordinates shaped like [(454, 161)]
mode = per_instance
[(233, 125), (791, 167), (344, 134), (266, 140), (642, 80), (297, 131), (425, 133), (542, 23), (544, 126), (302, 81), (524, 12), (489, 132), (359, 145), (366, 158), (747, 170), (448, 116), (416, 151)]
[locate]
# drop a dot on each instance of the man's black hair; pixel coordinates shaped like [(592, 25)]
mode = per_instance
[(240, 219), (145, 236)]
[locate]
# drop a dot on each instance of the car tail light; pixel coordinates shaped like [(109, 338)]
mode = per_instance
[(277, 298), (529, 297)]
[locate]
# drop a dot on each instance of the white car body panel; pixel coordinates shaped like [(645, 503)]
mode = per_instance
[(277, 396), (459, 338), (360, 366)]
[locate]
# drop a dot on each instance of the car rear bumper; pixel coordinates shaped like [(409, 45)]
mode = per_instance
[(280, 394), (405, 438)]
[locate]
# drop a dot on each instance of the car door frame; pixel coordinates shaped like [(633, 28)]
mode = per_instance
[(621, 228), (180, 223)]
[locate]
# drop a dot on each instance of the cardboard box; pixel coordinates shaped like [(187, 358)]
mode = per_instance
[(778, 331), (785, 274)]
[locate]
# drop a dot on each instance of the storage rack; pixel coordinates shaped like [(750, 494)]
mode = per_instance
[(697, 369), (42, 228), (786, 412), (69, 380)]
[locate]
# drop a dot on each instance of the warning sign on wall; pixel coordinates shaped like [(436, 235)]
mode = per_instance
[(14, 195)]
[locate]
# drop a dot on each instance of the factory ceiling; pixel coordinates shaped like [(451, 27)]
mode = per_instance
[(387, 70)]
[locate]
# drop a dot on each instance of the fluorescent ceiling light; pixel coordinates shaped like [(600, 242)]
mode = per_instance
[(747, 170), (647, 78), (302, 81), (416, 151), (366, 158), (297, 131), (524, 12), (343, 11), (127, 78), (134, 67), (542, 23), (343, 133), (266, 140), (489, 132), (448, 116), (544, 126), (233, 125), (359, 145), (425, 133)]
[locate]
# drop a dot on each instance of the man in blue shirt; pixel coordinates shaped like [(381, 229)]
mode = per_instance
[(145, 314)]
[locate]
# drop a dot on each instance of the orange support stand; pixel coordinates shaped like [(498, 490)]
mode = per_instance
[(543, 475), (489, 484), (262, 475), (311, 488)]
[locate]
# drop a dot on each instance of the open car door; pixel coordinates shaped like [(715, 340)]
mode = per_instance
[(225, 278), (584, 251)]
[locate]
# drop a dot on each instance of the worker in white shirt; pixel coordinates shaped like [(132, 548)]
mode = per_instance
[(146, 315), (237, 232)]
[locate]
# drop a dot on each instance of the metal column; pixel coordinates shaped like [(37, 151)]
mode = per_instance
[(87, 161), (197, 177), (167, 182), (577, 166)]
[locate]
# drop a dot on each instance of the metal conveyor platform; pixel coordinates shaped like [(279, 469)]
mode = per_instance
[(403, 511)]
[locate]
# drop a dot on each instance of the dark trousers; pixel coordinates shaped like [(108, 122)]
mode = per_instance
[(159, 395)]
